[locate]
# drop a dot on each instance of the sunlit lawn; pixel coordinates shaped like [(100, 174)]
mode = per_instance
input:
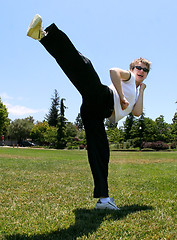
[(47, 194)]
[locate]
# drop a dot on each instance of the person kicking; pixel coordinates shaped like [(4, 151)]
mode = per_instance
[(98, 101)]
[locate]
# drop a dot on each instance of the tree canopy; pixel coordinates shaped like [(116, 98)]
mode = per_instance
[(20, 129), (52, 117), (4, 120)]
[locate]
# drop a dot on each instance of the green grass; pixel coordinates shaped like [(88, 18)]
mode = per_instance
[(47, 194)]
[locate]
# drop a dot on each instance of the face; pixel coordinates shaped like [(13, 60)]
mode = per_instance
[(140, 74)]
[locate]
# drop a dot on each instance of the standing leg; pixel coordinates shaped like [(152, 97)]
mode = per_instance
[(93, 114), (98, 146), (98, 155)]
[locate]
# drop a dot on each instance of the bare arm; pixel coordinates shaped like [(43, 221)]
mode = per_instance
[(138, 107), (117, 75)]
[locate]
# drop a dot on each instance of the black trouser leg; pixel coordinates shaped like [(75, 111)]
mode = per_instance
[(93, 113), (97, 102), (98, 154), (78, 68)]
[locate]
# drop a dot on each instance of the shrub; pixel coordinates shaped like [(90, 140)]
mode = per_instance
[(82, 146), (156, 145), (173, 145)]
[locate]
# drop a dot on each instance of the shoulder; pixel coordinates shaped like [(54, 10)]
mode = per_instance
[(124, 74), (131, 78)]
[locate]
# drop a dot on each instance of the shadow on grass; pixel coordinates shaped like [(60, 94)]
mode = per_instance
[(86, 222)]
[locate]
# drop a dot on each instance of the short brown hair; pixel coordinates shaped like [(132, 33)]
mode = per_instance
[(142, 60)]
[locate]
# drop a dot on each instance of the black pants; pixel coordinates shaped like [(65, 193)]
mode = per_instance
[(97, 103)]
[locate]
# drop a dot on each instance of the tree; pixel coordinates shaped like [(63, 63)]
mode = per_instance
[(30, 119), (174, 128), (20, 129), (78, 122), (71, 131), (143, 130), (163, 129), (128, 126), (52, 117), (38, 132), (4, 120), (61, 133), (114, 134), (149, 130), (50, 136), (109, 125)]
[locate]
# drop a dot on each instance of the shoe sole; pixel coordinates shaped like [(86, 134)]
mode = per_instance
[(34, 25), (107, 208)]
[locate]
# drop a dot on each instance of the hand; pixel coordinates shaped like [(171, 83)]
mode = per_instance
[(142, 86), (124, 103)]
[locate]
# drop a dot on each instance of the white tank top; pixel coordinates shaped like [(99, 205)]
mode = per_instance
[(130, 92)]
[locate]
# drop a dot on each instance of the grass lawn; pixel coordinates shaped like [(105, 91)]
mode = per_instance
[(47, 194)]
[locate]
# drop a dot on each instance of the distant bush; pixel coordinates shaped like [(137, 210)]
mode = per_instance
[(173, 145), (155, 145), (82, 146), (76, 143)]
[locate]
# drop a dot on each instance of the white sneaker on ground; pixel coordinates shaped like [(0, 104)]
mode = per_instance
[(35, 28), (109, 205)]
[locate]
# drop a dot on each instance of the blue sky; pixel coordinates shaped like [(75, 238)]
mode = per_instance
[(111, 33)]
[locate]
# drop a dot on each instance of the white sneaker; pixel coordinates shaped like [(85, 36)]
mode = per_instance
[(35, 28), (109, 205)]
